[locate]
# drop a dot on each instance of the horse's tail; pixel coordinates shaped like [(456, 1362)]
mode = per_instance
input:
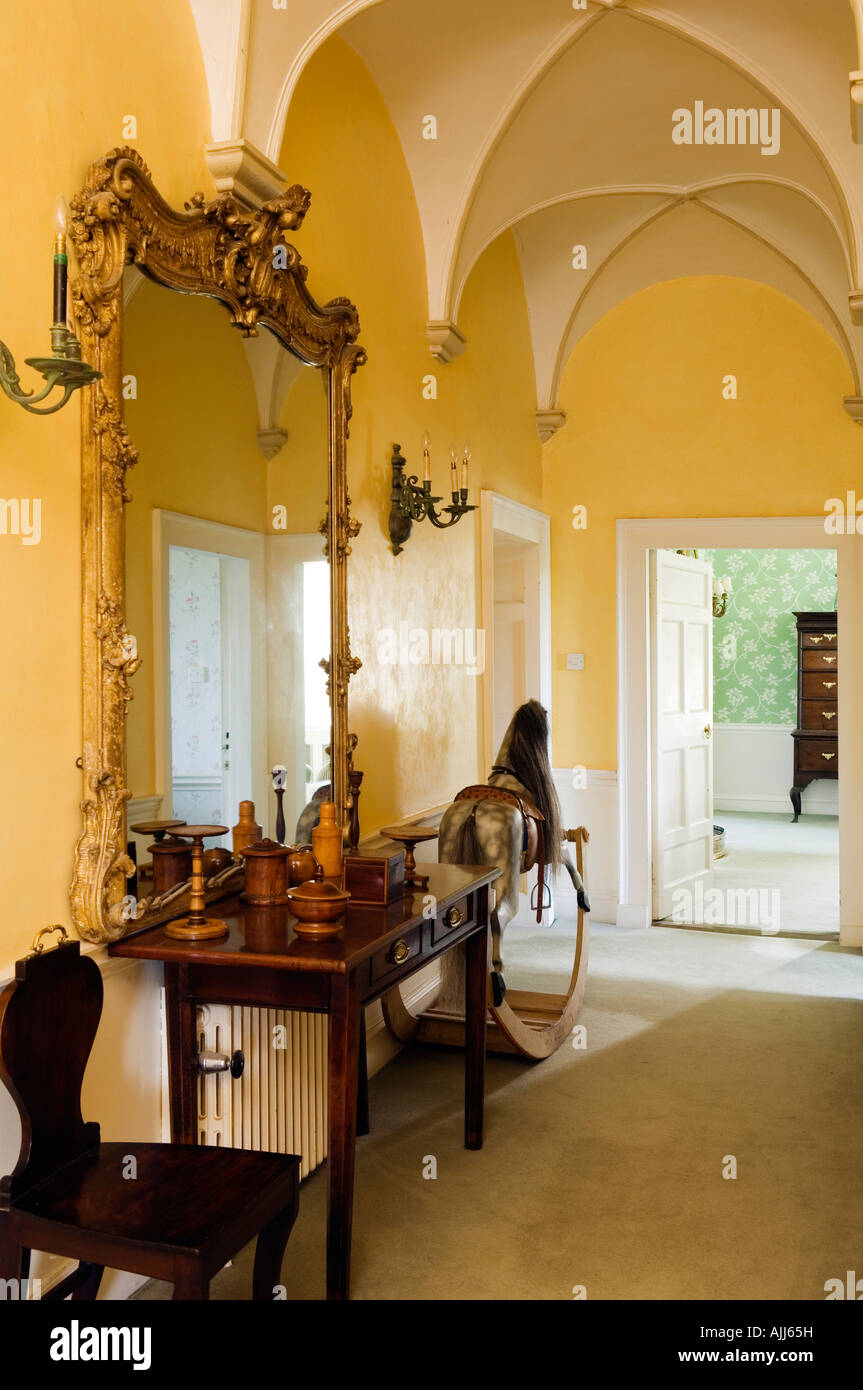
[(466, 848)]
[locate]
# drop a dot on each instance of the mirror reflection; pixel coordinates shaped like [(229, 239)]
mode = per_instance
[(227, 581)]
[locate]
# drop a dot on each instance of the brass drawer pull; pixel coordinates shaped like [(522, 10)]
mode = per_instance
[(814, 639), (829, 685), (828, 659), (828, 714), (828, 756), (453, 917), (399, 952)]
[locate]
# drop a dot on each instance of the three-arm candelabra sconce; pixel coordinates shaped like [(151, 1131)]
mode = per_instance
[(64, 368), (413, 501)]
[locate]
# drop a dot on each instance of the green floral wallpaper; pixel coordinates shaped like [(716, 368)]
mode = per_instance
[(755, 644)]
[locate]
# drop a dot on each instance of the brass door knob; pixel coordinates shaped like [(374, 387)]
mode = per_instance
[(707, 731), (453, 917), (399, 951)]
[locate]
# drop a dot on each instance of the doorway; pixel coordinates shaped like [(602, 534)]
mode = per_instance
[(516, 608), (765, 866), (738, 637), (210, 668)]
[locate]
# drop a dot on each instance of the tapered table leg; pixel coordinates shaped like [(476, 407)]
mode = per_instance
[(363, 1080), (182, 1054), (475, 1011), (343, 1070)]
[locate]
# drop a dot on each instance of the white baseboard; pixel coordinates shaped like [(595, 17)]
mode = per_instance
[(634, 915)]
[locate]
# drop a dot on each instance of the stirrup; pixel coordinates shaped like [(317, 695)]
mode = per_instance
[(546, 897)]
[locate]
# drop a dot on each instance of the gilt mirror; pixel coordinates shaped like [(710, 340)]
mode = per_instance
[(215, 572)]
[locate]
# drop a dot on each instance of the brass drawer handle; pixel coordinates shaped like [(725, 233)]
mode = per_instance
[(828, 635), (828, 714), (453, 917), (813, 638), (829, 685), (399, 951), (828, 756), (828, 659)]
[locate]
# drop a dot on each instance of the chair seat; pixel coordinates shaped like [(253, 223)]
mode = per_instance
[(183, 1198)]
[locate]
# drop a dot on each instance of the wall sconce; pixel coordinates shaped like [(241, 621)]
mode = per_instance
[(414, 502), (721, 592), (64, 368)]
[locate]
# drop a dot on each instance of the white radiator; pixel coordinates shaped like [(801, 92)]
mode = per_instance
[(279, 1104)]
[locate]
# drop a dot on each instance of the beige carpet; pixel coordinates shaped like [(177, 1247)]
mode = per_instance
[(603, 1167), (794, 869)]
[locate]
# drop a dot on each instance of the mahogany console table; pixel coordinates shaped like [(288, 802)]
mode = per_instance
[(263, 962)]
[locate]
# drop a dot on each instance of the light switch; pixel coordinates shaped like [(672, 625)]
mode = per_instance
[(575, 661)]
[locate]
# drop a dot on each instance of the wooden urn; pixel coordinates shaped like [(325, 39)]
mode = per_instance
[(266, 874)]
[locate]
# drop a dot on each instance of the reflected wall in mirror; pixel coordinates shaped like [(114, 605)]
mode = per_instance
[(243, 438), (226, 580)]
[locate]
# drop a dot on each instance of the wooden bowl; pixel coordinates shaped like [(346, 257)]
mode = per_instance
[(317, 906)]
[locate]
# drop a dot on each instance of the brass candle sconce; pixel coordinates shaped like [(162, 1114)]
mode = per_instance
[(413, 501), (64, 368)]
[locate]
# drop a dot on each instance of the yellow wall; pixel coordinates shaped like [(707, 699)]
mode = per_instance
[(298, 475), (68, 76), (419, 726), (193, 423), (648, 434)]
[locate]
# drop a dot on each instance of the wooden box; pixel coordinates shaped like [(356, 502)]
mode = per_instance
[(374, 878)]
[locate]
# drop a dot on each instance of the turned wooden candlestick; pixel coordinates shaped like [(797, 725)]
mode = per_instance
[(198, 927), (409, 836)]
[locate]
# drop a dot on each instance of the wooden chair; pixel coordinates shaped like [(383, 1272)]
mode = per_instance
[(176, 1212)]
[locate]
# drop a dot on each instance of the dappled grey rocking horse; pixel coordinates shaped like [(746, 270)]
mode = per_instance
[(512, 822)]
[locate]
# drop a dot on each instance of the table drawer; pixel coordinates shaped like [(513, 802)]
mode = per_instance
[(818, 639), (818, 685), (820, 660), (397, 955), (459, 914), (819, 714), (817, 754)]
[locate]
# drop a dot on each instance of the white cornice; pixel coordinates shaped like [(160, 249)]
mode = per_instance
[(445, 339), (548, 422), (238, 167), (270, 441)]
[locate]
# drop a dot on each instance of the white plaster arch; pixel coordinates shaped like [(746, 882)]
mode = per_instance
[(726, 54), (675, 192), (648, 273)]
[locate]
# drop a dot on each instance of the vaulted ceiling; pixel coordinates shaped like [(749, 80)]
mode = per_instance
[(554, 120)]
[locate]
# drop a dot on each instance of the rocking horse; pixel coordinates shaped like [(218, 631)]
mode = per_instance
[(512, 822)]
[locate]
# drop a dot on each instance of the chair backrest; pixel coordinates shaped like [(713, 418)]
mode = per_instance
[(48, 1020)]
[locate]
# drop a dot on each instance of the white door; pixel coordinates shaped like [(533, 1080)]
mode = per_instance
[(209, 620), (681, 612)]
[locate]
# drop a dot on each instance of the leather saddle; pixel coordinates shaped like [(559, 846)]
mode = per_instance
[(532, 839)]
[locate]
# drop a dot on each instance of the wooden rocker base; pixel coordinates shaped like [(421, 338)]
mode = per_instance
[(526, 1024)]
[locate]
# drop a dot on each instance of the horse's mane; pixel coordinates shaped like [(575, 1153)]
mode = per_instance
[(527, 757)]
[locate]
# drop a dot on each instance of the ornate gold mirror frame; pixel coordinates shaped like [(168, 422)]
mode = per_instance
[(224, 250)]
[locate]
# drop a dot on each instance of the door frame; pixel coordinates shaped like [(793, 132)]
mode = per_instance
[(196, 533), (634, 538), (499, 513)]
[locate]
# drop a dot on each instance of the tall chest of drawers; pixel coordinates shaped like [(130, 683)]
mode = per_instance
[(816, 738)]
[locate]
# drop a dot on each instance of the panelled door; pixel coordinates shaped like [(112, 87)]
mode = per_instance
[(681, 627)]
